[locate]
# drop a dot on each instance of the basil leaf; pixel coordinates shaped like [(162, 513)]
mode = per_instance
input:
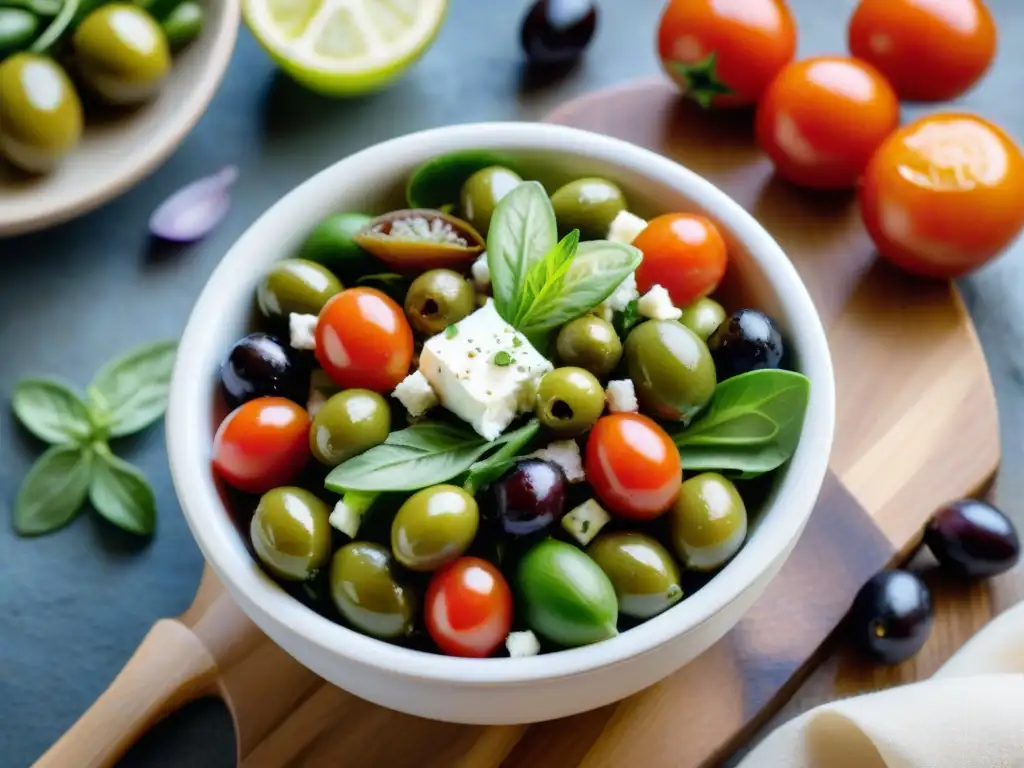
[(51, 411), (623, 322), (488, 470), (752, 425), (439, 181), (53, 491), (121, 494), (131, 391), (547, 276), (522, 232)]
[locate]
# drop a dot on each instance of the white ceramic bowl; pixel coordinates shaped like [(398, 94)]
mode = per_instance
[(495, 690)]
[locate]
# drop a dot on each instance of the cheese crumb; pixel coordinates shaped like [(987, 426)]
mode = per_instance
[(619, 299), (522, 644), (585, 521), (621, 397), (656, 304), (416, 394), (345, 519), (303, 330), (566, 454), (481, 272), (625, 227)]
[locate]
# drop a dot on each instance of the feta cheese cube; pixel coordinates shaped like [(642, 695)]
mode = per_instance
[(303, 330), (481, 272), (521, 644), (416, 394), (621, 397), (625, 227), (566, 454), (619, 299), (656, 304), (484, 371), (585, 521), (345, 519)]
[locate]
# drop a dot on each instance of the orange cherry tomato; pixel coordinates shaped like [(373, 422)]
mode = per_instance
[(262, 444), (684, 253), (821, 120), (930, 50), (723, 53), (944, 194), (633, 466), (364, 340), (468, 608)]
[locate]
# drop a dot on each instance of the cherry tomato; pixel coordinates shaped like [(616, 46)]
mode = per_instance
[(363, 340), (262, 444), (468, 608), (633, 466), (821, 119), (684, 253), (930, 50), (723, 53), (943, 195)]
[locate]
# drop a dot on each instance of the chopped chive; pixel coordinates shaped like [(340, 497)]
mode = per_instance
[(451, 332), (517, 342), (503, 358)]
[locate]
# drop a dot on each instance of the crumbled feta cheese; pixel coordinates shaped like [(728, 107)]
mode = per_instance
[(625, 227), (321, 387), (345, 519), (585, 521), (621, 396), (481, 272), (656, 304), (566, 454), (619, 299), (484, 371), (416, 394), (303, 330), (521, 644)]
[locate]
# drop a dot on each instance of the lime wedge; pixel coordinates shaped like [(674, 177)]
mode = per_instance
[(344, 47)]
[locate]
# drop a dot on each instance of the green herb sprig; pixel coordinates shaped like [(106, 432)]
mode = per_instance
[(127, 395)]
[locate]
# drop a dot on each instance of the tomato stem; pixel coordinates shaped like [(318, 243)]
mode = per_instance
[(701, 78)]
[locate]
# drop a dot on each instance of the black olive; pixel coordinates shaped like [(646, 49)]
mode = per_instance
[(529, 498), (746, 341), (891, 616), (556, 32), (973, 539), (260, 366)]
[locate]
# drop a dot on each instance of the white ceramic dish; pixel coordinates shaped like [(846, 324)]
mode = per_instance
[(494, 690)]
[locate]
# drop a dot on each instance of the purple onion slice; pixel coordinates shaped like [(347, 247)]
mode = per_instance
[(193, 211)]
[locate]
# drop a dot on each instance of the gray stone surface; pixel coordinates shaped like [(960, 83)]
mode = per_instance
[(74, 605)]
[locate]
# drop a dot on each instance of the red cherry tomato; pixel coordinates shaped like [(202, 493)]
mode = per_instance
[(262, 444), (724, 53), (930, 50), (684, 253), (363, 340), (468, 608), (633, 466), (821, 120)]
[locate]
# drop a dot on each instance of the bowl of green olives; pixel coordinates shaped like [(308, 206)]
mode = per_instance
[(94, 94), (499, 423)]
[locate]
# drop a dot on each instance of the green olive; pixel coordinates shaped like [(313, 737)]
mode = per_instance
[(367, 594), (18, 28), (708, 522), (671, 369), (433, 527), (296, 285), (645, 577), (331, 243), (590, 343), (40, 113), (438, 298), (290, 533), (122, 53), (703, 317), (184, 24), (589, 205), (569, 401), (349, 423), (482, 192)]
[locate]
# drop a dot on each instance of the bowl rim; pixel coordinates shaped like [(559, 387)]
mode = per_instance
[(781, 523)]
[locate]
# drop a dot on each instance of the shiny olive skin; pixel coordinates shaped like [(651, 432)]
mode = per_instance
[(295, 285), (708, 522), (366, 592), (589, 205), (483, 191), (122, 53), (590, 343), (529, 498), (18, 28), (671, 369), (290, 533), (645, 577), (40, 112), (891, 617), (331, 243), (438, 298), (703, 317), (569, 401), (973, 539), (261, 366), (184, 24), (349, 423), (554, 33), (433, 527), (746, 341)]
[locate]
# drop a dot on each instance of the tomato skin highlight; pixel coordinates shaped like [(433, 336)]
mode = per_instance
[(468, 608), (262, 444), (633, 466), (929, 51), (684, 253)]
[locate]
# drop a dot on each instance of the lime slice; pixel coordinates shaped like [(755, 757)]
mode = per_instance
[(344, 47)]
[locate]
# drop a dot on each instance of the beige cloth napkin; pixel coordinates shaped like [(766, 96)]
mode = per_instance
[(970, 714)]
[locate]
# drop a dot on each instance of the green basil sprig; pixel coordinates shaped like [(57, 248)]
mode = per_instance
[(127, 395), (486, 471), (751, 426)]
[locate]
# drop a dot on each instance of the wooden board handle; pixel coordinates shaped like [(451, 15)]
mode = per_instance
[(169, 669)]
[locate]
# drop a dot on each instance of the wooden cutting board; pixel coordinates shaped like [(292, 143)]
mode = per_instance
[(916, 427)]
